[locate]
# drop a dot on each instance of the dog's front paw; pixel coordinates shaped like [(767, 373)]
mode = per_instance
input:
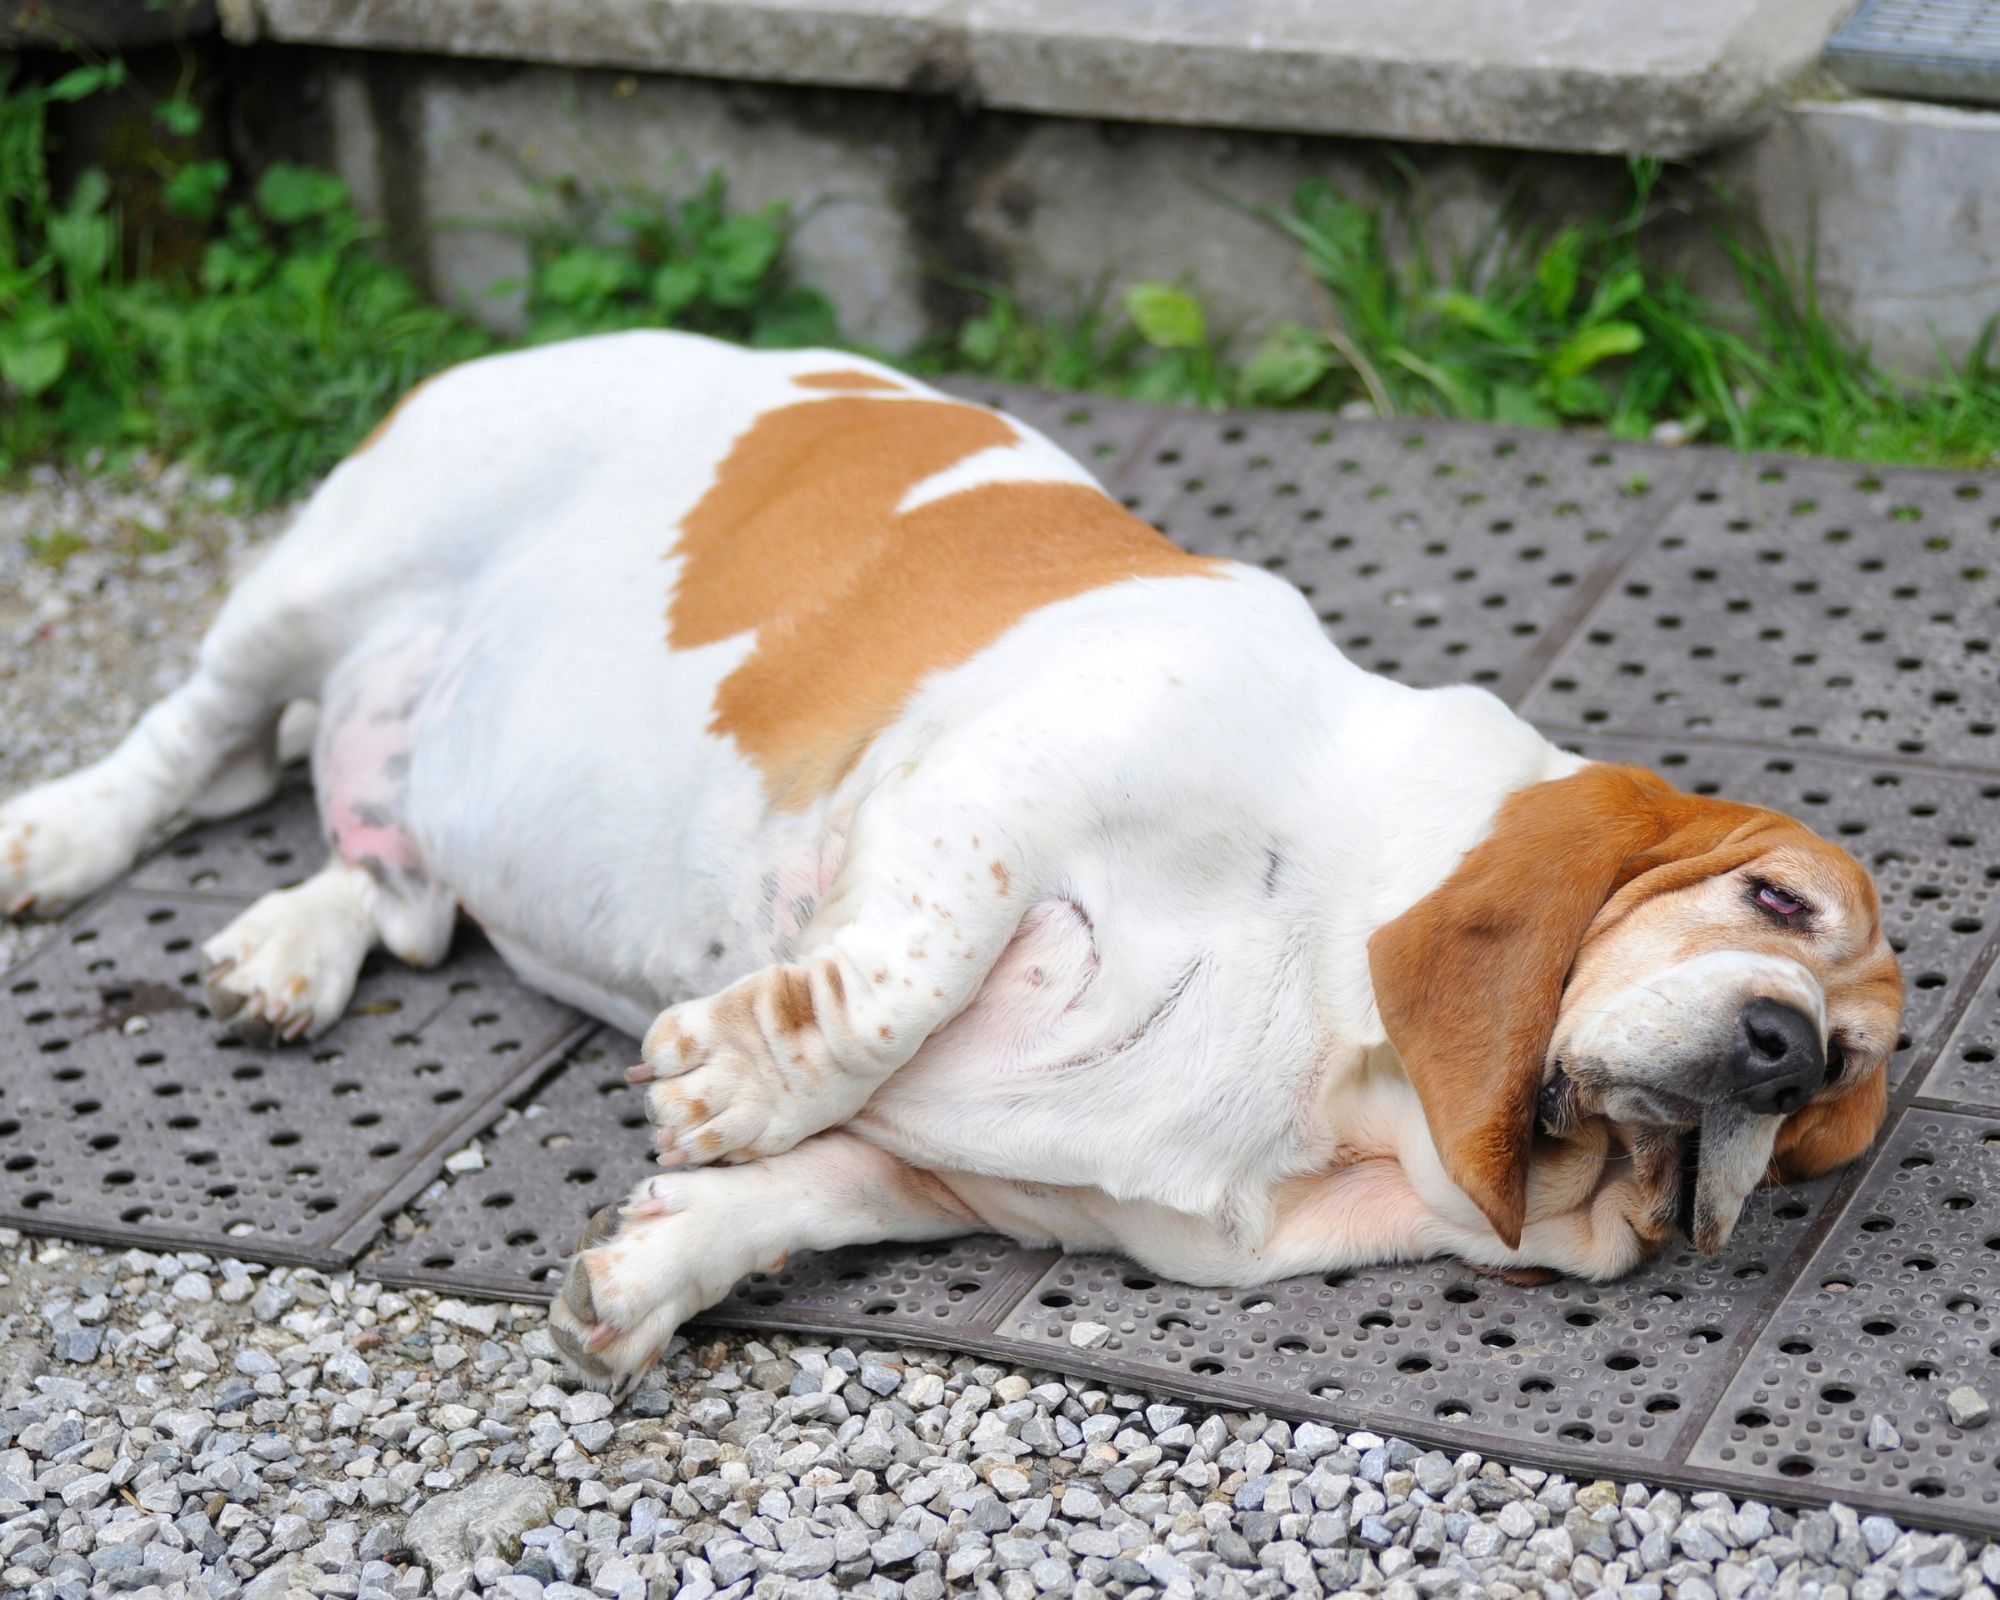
[(55, 848), (629, 1286), (718, 1091)]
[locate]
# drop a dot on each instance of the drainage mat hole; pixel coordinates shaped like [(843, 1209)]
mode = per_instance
[(1291, 1347), (1795, 1467), (1414, 1364), (1206, 1368), (1928, 1489), (1623, 1361), (1707, 1335), (1837, 1394), (1498, 1339), (1461, 1294), (1662, 1405), (1752, 1419), (879, 1308), (1537, 1386), (1057, 1301), (1576, 1433), (1881, 1327), (1922, 1371), (1452, 1411)]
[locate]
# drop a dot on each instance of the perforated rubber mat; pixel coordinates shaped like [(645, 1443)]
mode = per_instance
[(1808, 635), (128, 1114), (1930, 49)]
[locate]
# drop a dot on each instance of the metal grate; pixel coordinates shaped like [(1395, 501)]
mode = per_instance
[(1433, 553), (1812, 605), (130, 1115), (1803, 634), (1967, 1072), (1900, 1306), (1928, 49)]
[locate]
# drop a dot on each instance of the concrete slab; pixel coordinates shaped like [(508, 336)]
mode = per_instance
[(1585, 75), (1895, 198)]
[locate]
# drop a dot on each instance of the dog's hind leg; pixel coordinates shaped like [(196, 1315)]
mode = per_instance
[(66, 839)]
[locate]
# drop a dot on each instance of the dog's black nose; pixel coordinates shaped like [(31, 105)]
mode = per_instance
[(1778, 1061)]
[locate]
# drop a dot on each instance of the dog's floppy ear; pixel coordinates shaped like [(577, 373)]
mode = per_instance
[(1469, 980), (1830, 1133)]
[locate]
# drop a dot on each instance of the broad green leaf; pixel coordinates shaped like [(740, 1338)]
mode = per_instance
[(745, 247), (1167, 318), (196, 190), (31, 365), (675, 285), (289, 194), (1616, 291), (1288, 363), (1472, 312), (179, 117), (81, 82), (584, 276), (1588, 346)]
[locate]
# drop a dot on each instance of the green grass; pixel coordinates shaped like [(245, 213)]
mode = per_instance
[(270, 356)]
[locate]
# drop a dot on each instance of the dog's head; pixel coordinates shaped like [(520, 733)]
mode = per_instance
[(1709, 979)]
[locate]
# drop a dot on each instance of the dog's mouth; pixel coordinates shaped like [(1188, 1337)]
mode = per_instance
[(1720, 1150)]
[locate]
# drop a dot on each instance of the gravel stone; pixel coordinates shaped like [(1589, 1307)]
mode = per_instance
[(1967, 1407)]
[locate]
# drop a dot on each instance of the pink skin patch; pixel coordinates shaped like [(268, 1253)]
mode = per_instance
[(364, 751)]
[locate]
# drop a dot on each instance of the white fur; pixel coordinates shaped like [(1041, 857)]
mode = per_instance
[(1162, 1038)]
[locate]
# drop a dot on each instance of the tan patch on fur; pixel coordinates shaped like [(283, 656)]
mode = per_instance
[(374, 435), (850, 378), (835, 984), (791, 999), (296, 987), (709, 1143), (1001, 876), (854, 603)]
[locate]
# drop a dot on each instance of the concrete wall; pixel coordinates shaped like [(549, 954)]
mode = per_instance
[(903, 197)]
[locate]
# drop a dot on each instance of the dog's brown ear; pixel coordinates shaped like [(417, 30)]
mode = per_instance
[(1830, 1133), (1469, 980)]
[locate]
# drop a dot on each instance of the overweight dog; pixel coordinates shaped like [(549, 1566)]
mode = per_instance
[(970, 857)]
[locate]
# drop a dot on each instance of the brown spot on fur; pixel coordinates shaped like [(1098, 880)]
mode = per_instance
[(835, 984), (296, 988), (854, 603), (697, 1110), (791, 999), (850, 378), (709, 1143), (883, 1030), (375, 434), (1469, 980), (1001, 876)]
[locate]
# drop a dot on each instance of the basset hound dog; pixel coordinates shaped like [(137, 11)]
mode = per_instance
[(969, 857)]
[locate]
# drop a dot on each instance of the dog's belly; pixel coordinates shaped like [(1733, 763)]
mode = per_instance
[(579, 810)]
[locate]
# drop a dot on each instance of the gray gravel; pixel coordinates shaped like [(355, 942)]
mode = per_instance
[(179, 1426)]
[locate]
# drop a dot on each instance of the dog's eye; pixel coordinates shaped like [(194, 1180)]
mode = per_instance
[(1778, 903)]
